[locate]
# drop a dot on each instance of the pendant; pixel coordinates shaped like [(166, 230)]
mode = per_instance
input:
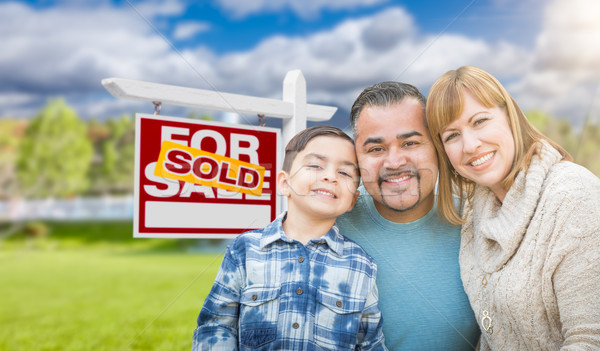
[(486, 323)]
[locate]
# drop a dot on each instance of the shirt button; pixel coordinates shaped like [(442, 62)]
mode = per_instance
[(299, 291), (300, 259), (339, 303), (254, 297), (295, 325)]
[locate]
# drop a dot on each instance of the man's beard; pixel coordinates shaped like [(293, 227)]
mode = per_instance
[(380, 181)]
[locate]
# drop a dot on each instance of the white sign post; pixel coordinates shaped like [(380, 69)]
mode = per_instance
[(294, 111)]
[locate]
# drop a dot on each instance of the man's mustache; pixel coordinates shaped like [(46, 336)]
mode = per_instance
[(396, 174)]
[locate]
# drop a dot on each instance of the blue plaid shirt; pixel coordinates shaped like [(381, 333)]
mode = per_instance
[(275, 293)]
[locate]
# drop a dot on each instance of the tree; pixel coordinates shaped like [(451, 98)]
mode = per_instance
[(588, 150), (559, 130), (202, 117), (584, 146), (55, 153), (11, 132), (113, 165)]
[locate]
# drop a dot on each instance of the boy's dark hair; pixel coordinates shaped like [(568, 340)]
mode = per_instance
[(300, 140)]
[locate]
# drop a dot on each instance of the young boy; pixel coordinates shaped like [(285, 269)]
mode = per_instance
[(297, 284)]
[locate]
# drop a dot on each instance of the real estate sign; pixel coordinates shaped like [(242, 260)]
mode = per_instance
[(201, 179)]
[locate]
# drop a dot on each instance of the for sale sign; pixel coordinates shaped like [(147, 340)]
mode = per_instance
[(200, 179)]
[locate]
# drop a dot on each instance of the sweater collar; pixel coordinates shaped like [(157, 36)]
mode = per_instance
[(499, 228)]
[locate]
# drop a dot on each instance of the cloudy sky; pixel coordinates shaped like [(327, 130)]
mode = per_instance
[(546, 52)]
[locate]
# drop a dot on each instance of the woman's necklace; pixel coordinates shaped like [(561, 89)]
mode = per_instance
[(489, 308)]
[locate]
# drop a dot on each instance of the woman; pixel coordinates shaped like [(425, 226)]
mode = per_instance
[(530, 246)]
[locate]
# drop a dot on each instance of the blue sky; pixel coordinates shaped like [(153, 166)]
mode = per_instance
[(545, 52), (227, 30)]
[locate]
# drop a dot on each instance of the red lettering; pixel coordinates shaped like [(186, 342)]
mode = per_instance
[(205, 160), (180, 161), (223, 178), (253, 183)]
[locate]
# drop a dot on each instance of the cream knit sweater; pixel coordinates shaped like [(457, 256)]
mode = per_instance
[(539, 253)]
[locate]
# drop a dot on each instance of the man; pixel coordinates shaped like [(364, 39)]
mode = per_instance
[(423, 304)]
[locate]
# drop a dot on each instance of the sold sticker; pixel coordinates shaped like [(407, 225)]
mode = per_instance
[(180, 162)]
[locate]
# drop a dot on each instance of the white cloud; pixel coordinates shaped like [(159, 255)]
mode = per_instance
[(18, 105), (565, 72), (67, 51), (387, 29), (303, 8), (570, 36), (189, 29), (60, 49), (340, 62), (156, 8)]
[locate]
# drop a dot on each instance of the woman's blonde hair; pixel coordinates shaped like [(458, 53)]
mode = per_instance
[(445, 103)]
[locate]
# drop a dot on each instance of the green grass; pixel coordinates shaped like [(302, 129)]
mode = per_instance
[(90, 286)]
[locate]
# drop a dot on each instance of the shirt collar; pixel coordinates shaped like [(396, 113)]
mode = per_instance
[(334, 240), (274, 231)]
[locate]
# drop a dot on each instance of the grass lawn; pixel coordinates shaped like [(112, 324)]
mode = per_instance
[(100, 290)]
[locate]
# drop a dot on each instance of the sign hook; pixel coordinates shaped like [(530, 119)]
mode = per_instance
[(157, 107)]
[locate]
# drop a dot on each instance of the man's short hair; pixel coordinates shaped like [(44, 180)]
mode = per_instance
[(383, 94)]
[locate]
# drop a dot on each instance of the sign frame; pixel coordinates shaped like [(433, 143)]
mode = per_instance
[(141, 230)]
